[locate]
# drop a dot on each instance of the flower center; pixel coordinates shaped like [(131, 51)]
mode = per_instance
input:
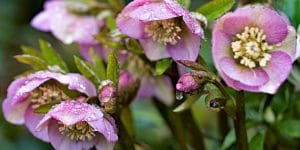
[(80, 131), (165, 31), (45, 94), (251, 48)]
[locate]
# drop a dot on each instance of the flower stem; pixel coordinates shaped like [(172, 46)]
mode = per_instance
[(125, 140), (173, 122), (240, 123)]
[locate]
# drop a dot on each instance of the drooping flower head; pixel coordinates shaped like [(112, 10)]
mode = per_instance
[(163, 27), (76, 125), (26, 94), (254, 48), (190, 82), (65, 25)]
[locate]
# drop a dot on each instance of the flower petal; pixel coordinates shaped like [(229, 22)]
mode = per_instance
[(153, 50), (152, 11), (164, 90), (31, 121), (105, 128), (103, 144), (250, 77), (221, 46), (278, 70), (146, 89), (235, 23), (187, 48), (98, 49), (289, 44)]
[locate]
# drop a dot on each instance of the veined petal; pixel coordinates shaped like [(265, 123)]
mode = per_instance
[(154, 50)]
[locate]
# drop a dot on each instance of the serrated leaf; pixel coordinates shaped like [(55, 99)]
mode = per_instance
[(229, 140), (162, 65), (43, 109), (214, 9), (86, 69), (289, 127), (184, 3), (51, 56), (112, 68), (187, 104), (257, 142), (35, 62), (99, 66), (31, 51)]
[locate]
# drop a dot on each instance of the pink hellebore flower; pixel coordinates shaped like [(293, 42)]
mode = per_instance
[(65, 25), (126, 80), (74, 125), (163, 27), (254, 48), (28, 93)]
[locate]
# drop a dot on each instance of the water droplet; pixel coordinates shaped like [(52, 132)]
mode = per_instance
[(179, 95)]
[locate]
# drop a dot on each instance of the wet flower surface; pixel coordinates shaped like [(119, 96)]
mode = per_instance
[(163, 27), (78, 125), (254, 48), (28, 93)]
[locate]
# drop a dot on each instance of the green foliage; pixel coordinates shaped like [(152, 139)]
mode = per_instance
[(43, 109), (87, 70), (113, 68), (257, 142), (229, 140), (187, 104), (289, 127), (35, 62), (162, 65), (214, 9), (99, 66), (52, 57), (184, 3), (291, 9)]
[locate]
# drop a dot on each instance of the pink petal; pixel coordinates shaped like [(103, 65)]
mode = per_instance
[(289, 44), (164, 90), (105, 128), (103, 144), (41, 21), (153, 50), (31, 121), (152, 11), (250, 77), (191, 23), (278, 70), (14, 113), (97, 48), (147, 86), (235, 23), (221, 47), (185, 49)]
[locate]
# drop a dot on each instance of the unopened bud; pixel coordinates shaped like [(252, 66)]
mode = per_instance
[(190, 82), (108, 96), (125, 80)]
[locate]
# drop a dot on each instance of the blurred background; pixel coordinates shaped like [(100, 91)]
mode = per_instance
[(15, 31)]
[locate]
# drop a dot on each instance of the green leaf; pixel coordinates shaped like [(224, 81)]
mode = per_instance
[(31, 51), (280, 101), (214, 9), (187, 103), (134, 46), (184, 3), (257, 142), (35, 62), (162, 65), (99, 66), (51, 56), (111, 23), (43, 109), (289, 127), (229, 140), (112, 68), (86, 69)]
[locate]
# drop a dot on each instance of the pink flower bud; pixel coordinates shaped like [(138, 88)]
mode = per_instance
[(107, 91), (189, 82), (126, 80)]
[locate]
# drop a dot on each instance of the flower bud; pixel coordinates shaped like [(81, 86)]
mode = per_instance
[(125, 80), (108, 96), (190, 82)]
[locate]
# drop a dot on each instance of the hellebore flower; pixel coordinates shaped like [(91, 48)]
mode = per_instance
[(253, 48), (74, 125), (26, 94), (125, 80), (66, 26), (108, 96), (190, 82), (163, 27)]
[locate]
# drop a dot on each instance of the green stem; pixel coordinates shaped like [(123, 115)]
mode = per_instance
[(125, 140), (195, 136), (240, 123), (223, 124), (173, 122)]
